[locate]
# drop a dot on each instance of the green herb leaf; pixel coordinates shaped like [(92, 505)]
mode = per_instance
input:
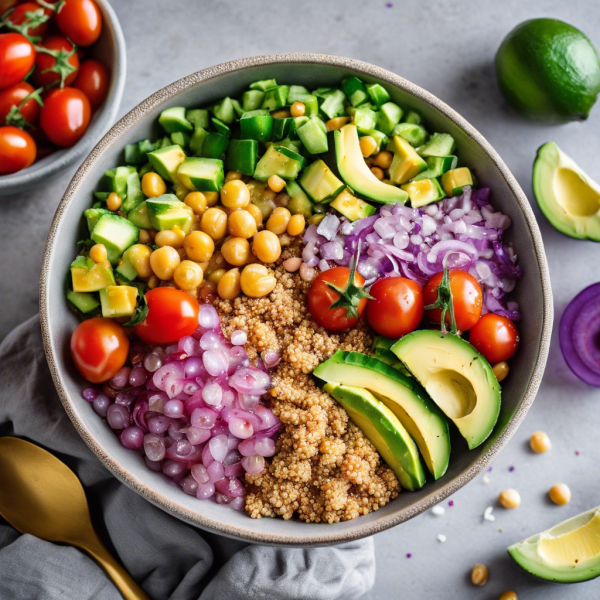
[(141, 310), (61, 65)]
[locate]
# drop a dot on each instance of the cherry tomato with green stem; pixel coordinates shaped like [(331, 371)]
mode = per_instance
[(17, 57), (65, 116), (19, 16), (93, 80), (494, 336), (17, 150), (13, 96), (58, 63), (80, 21)]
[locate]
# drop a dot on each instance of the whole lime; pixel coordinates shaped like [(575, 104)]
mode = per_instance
[(549, 71)]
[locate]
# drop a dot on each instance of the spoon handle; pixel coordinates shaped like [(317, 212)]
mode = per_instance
[(129, 589)]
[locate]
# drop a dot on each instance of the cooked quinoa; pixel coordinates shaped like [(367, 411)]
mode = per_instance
[(324, 468)]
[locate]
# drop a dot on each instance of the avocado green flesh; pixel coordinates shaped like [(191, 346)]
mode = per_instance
[(456, 377), (402, 395), (384, 431), (566, 553), (568, 197)]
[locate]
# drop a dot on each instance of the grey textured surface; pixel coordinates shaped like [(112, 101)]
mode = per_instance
[(447, 48)]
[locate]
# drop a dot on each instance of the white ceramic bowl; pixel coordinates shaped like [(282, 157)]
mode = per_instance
[(201, 89), (110, 50)]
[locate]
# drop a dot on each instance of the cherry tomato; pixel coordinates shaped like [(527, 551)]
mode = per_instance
[(93, 80), (495, 337), (46, 61), (12, 96), (172, 314), (7, 4), (80, 21), (467, 299), (99, 348), (17, 150), (17, 17), (397, 308), (65, 116), (17, 57), (321, 297)]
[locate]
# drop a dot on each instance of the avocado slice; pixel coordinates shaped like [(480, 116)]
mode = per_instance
[(167, 160), (455, 180), (384, 431), (566, 553), (139, 216), (423, 192), (279, 161), (88, 276), (354, 170), (203, 174), (351, 207), (118, 301), (406, 163), (83, 301), (456, 377), (166, 212), (568, 197), (319, 182), (116, 233), (402, 395)]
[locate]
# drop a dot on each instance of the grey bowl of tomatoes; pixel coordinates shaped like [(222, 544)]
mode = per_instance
[(62, 76)]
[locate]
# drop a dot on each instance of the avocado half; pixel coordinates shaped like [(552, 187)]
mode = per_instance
[(566, 553), (456, 377), (384, 431), (567, 196)]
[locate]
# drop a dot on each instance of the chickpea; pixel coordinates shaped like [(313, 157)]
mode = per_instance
[(276, 183), (315, 219), (235, 194), (211, 198), (232, 175), (479, 575), (114, 202), (560, 494), (256, 214), (188, 275), (292, 264), (199, 246), (540, 442), (153, 282), (501, 370), (230, 285), (509, 498), (283, 113), (145, 237), (307, 273), (164, 261), (296, 225), (153, 185), (241, 224), (266, 246), (336, 123), (279, 219), (139, 254), (236, 251), (384, 159), (216, 275), (197, 202), (298, 109), (257, 281), (368, 145), (378, 172), (214, 223), (98, 253), (170, 237), (508, 595)]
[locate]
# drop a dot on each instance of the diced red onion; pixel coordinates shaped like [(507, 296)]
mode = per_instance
[(155, 466), (205, 491), (218, 447), (173, 409), (158, 424), (240, 427), (199, 473), (212, 394), (238, 503), (197, 435), (189, 485), (207, 457), (208, 318), (234, 470), (328, 227), (173, 468), (101, 404), (152, 362), (215, 362), (238, 338), (265, 446), (120, 379), (230, 487), (250, 381), (248, 447), (154, 447), (138, 376), (215, 471), (253, 464), (117, 416), (89, 394)]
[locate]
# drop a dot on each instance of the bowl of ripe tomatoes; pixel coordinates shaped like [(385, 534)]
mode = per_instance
[(62, 76)]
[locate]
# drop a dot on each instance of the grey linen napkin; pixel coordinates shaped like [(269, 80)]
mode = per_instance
[(169, 559)]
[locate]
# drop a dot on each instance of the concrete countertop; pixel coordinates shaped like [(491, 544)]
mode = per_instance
[(447, 48)]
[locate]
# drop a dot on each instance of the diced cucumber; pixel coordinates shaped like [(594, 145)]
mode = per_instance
[(198, 117), (455, 180), (93, 214), (364, 118), (388, 116), (197, 139), (413, 117), (300, 203), (126, 269), (133, 156), (377, 93), (166, 161), (101, 197), (220, 127), (202, 174), (173, 119), (134, 195), (263, 84), (275, 97), (415, 135), (377, 135), (139, 216), (116, 233), (242, 156), (356, 91), (181, 138), (279, 161), (282, 128), (295, 145), (423, 192), (115, 180), (257, 127), (237, 108), (214, 145), (333, 105), (311, 104), (252, 100), (295, 92), (351, 207), (167, 211), (319, 182), (84, 302), (118, 301), (224, 111), (314, 135), (406, 163), (436, 166), (439, 144)]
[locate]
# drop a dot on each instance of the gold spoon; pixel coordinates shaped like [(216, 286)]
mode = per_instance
[(41, 496)]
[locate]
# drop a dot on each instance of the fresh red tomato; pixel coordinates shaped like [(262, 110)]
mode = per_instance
[(99, 348), (17, 150), (80, 21), (467, 299), (6, 5), (397, 308), (12, 96), (18, 17), (92, 80), (172, 314), (43, 61), (495, 337), (65, 116), (321, 297), (17, 57)]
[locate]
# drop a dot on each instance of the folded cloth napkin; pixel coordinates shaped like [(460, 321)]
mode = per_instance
[(169, 559)]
